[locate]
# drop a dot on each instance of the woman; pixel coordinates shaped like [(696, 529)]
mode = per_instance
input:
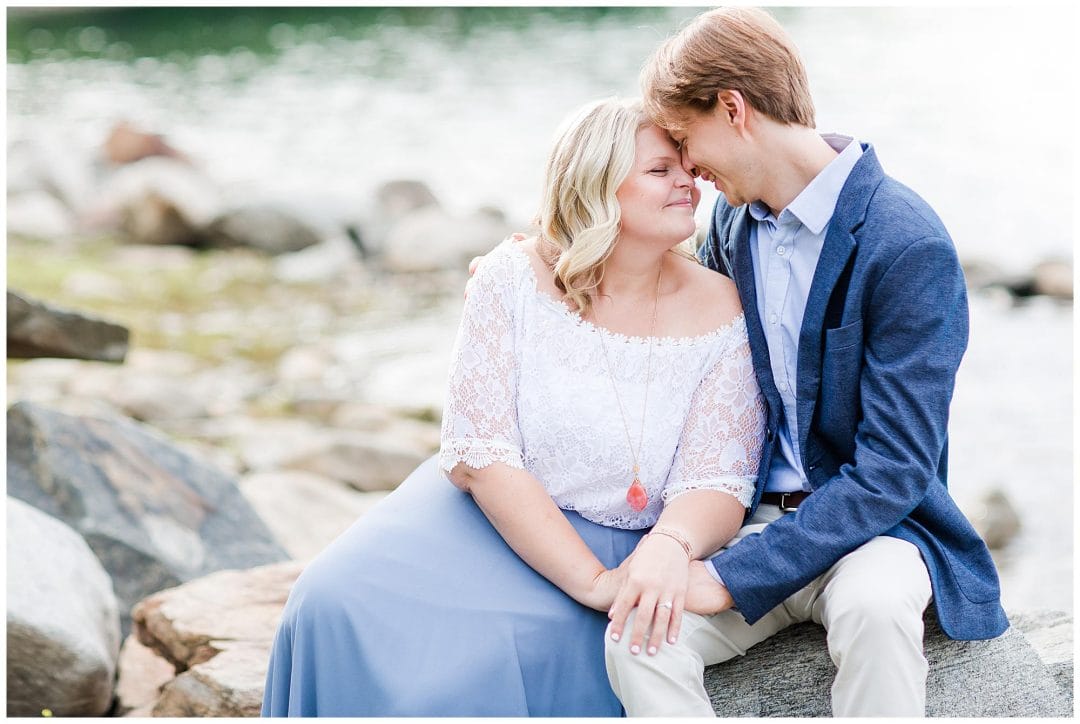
[(601, 384)]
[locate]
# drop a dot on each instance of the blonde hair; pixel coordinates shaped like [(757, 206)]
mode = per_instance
[(741, 49), (579, 213)]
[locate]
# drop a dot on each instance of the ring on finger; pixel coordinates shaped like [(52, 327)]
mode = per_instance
[(664, 604)]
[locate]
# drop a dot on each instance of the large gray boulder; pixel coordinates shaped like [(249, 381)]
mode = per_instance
[(63, 628), (790, 675), (154, 515), (1051, 634), (35, 329)]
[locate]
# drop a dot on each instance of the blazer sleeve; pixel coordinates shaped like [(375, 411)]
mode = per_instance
[(915, 333)]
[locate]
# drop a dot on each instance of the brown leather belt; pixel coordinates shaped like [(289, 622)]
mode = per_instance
[(788, 502)]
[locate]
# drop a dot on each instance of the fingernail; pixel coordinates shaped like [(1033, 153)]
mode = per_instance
[(614, 636), (671, 640), (635, 649), (652, 651)]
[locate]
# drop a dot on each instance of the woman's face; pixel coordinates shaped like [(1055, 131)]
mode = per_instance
[(658, 197)]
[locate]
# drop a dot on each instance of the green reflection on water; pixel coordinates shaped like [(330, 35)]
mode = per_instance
[(126, 33)]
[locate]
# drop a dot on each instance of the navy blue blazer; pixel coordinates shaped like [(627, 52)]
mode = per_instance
[(886, 324)]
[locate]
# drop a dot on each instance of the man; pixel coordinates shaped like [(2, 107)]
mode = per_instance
[(857, 315)]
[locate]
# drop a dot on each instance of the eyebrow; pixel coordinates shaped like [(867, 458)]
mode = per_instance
[(654, 159)]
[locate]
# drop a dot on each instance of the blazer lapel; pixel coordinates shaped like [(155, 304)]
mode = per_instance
[(738, 241), (837, 249)]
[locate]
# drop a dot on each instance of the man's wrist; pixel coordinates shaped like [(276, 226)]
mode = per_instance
[(713, 572)]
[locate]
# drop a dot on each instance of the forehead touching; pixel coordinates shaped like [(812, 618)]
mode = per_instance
[(653, 142)]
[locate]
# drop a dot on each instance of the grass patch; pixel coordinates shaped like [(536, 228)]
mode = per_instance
[(216, 305)]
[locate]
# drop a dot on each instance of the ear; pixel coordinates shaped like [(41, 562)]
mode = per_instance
[(732, 104)]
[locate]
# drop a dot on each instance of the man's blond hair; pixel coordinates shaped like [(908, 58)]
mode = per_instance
[(741, 49)]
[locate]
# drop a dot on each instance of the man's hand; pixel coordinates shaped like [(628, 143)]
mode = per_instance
[(516, 236), (704, 594)]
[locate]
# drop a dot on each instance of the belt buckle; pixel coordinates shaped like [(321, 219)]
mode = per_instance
[(783, 504)]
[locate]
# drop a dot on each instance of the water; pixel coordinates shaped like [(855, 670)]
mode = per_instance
[(319, 106)]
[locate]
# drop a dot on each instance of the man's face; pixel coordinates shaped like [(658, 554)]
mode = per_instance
[(711, 149)]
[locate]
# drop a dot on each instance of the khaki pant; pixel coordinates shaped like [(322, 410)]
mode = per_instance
[(871, 603)]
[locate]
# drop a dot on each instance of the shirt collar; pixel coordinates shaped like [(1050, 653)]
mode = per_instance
[(815, 204)]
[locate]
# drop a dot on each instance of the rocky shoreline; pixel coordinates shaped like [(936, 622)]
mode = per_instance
[(204, 397)]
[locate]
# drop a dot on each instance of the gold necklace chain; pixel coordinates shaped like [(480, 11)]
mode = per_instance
[(638, 501)]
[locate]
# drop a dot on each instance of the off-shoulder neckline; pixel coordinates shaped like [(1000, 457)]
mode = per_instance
[(575, 318)]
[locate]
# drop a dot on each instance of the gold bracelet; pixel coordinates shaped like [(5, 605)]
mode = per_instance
[(677, 537)]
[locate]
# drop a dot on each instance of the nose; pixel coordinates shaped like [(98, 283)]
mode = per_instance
[(684, 178), (689, 166)]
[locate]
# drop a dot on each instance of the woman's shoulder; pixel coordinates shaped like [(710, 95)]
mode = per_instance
[(505, 265), (708, 295)]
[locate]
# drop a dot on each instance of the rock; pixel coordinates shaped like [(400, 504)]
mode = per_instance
[(155, 220), (305, 511), (397, 198), (372, 418), (1053, 278), (59, 167), (260, 227), (154, 397), (981, 273), (1051, 635), (39, 215), (153, 514), (265, 444), (995, 518), (163, 393), (63, 627), (318, 263), (306, 363), (365, 461), (790, 675), (190, 194), (228, 685), (140, 675), (217, 631), (393, 201), (127, 144), (35, 329), (430, 239), (414, 384)]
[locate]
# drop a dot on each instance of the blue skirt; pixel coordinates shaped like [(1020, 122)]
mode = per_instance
[(421, 609)]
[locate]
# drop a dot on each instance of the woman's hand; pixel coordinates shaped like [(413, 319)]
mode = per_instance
[(656, 582)]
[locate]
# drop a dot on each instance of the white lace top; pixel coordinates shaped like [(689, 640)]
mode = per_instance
[(529, 388)]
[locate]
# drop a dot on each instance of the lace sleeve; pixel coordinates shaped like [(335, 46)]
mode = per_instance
[(479, 425), (721, 441)]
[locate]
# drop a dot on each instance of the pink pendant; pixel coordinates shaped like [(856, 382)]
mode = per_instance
[(636, 496)]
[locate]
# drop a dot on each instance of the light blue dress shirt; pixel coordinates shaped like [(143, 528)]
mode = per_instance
[(785, 252)]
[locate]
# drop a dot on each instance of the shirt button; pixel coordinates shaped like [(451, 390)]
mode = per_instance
[(772, 318), (780, 250), (783, 386)]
